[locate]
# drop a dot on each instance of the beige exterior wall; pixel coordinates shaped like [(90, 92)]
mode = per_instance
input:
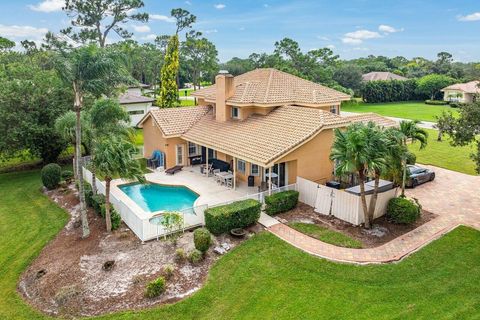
[(311, 161), (451, 95), (154, 140)]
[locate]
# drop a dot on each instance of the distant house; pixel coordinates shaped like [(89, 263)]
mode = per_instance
[(375, 76), (136, 105), (462, 92)]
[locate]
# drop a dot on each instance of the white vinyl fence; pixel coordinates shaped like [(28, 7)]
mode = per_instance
[(341, 204)]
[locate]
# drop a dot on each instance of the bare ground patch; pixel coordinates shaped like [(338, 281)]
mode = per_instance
[(68, 278), (382, 232)]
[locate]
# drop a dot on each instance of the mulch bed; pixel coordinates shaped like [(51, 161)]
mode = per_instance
[(68, 278), (382, 232)]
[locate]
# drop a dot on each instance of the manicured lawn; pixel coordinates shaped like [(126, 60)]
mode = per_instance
[(265, 278), (443, 154), (406, 110), (325, 235), (187, 103), (185, 92), (138, 137)]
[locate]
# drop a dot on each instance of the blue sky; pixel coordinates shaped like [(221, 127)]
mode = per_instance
[(351, 28)]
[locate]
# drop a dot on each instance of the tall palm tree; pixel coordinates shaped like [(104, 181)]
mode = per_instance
[(89, 70), (353, 152), (114, 157), (106, 117), (410, 131)]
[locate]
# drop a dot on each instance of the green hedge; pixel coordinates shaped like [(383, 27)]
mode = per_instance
[(436, 102), (51, 175), (202, 239), (390, 91), (239, 214), (98, 200), (457, 104), (403, 211), (115, 218), (281, 202)]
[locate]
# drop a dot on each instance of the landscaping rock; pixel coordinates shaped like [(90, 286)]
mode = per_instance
[(226, 246), (108, 265), (376, 231), (219, 250), (40, 273)]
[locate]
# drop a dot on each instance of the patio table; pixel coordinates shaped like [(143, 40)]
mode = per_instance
[(224, 176)]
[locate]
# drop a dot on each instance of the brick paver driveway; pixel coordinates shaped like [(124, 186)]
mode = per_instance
[(453, 196)]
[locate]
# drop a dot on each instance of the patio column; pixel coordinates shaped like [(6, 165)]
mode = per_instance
[(270, 180), (206, 162), (234, 173)]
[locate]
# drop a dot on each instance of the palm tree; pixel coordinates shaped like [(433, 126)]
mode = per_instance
[(106, 117), (354, 153), (89, 70), (114, 157), (410, 131)]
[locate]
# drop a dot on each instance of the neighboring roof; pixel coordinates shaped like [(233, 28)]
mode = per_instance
[(263, 139), (175, 121), (374, 76), (469, 87), (372, 117), (275, 88), (140, 85), (129, 98)]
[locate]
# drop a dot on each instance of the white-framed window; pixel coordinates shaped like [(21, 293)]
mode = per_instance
[(241, 166), (333, 109), (254, 170), (134, 112), (235, 113), (192, 149), (179, 158)]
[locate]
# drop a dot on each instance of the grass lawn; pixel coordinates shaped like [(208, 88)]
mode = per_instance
[(185, 92), (138, 137), (325, 235), (444, 155), (187, 103), (265, 278), (407, 110)]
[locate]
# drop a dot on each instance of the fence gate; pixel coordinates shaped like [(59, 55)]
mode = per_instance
[(323, 204)]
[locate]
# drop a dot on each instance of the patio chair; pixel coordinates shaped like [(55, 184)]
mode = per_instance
[(229, 183), (217, 178), (155, 160)]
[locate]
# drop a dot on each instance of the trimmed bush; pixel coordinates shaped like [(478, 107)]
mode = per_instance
[(239, 214), (390, 91), (51, 175), (97, 201), (155, 288), (436, 102), (281, 202), (403, 210), (195, 256), (67, 175), (202, 239), (115, 218), (457, 104)]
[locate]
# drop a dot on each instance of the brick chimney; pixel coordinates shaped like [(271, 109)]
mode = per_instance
[(225, 89)]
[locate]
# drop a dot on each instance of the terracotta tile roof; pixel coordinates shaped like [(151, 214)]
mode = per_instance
[(262, 139), (175, 121), (372, 117), (129, 98), (274, 87), (469, 87), (375, 76)]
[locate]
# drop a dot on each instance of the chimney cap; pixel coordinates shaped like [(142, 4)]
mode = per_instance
[(223, 72)]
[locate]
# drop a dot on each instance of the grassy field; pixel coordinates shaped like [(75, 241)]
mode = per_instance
[(185, 92), (444, 155), (265, 278), (187, 103), (326, 235), (406, 110)]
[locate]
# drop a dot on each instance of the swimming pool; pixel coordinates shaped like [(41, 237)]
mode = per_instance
[(153, 197)]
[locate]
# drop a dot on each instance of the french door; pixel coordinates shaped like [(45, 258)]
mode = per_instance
[(280, 176)]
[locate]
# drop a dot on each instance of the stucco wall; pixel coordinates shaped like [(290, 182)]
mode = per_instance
[(135, 118)]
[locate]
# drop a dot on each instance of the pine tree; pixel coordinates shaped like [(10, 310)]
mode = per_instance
[(169, 90)]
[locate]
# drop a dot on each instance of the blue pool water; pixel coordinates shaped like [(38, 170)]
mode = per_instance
[(153, 197)]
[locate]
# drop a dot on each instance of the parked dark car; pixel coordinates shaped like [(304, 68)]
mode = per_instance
[(418, 175)]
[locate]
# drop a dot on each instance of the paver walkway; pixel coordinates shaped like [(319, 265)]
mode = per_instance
[(453, 196)]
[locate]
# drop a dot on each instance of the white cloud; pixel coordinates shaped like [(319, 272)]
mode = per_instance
[(22, 32), (161, 17), (323, 38), (470, 17), (357, 37), (388, 29), (331, 46), (48, 6), (220, 6), (210, 31), (149, 37), (140, 28), (188, 3)]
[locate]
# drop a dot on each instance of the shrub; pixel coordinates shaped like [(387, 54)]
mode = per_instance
[(281, 202), (87, 189), (115, 218), (155, 288), (457, 104), (202, 239), (403, 210), (239, 214), (180, 255), (195, 256), (168, 270), (390, 91), (67, 175), (436, 102), (51, 175), (97, 201)]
